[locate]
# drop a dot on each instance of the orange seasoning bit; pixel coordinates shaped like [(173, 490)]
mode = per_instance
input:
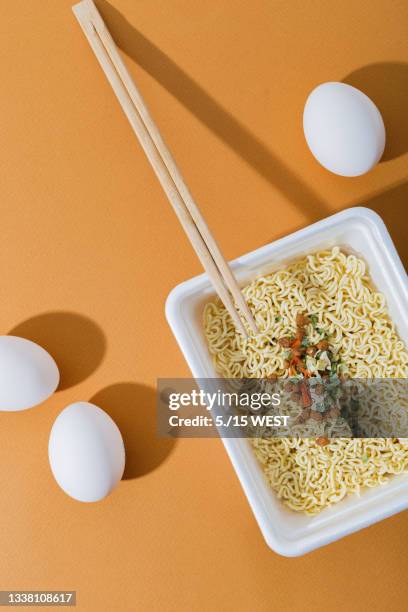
[(322, 441), (296, 343), (305, 396)]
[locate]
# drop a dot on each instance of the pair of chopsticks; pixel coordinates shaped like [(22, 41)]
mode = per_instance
[(164, 165)]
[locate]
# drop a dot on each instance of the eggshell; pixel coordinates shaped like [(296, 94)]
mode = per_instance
[(343, 129), (86, 452), (28, 374)]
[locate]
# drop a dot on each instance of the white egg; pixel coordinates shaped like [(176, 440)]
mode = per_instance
[(86, 452), (344, 129), (28, 374)]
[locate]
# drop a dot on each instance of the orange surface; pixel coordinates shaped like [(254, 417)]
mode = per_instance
[(90, 249)]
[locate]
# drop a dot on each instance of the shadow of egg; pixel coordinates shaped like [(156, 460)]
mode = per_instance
[(75, 342), (133, 408), (386, 83)]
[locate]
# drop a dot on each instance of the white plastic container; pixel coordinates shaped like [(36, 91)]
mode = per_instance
[(357, 230)]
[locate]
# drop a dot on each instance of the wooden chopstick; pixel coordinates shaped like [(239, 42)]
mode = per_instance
[(163, 163)]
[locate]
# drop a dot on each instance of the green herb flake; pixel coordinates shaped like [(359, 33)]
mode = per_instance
[(314, 319), (278, 318)]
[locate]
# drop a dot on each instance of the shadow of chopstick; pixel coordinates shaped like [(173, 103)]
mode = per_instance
[(211, 113)]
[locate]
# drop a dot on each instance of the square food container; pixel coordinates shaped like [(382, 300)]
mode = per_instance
[(357, 230)]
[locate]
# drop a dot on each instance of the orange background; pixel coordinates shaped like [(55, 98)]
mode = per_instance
[(90, 249)]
